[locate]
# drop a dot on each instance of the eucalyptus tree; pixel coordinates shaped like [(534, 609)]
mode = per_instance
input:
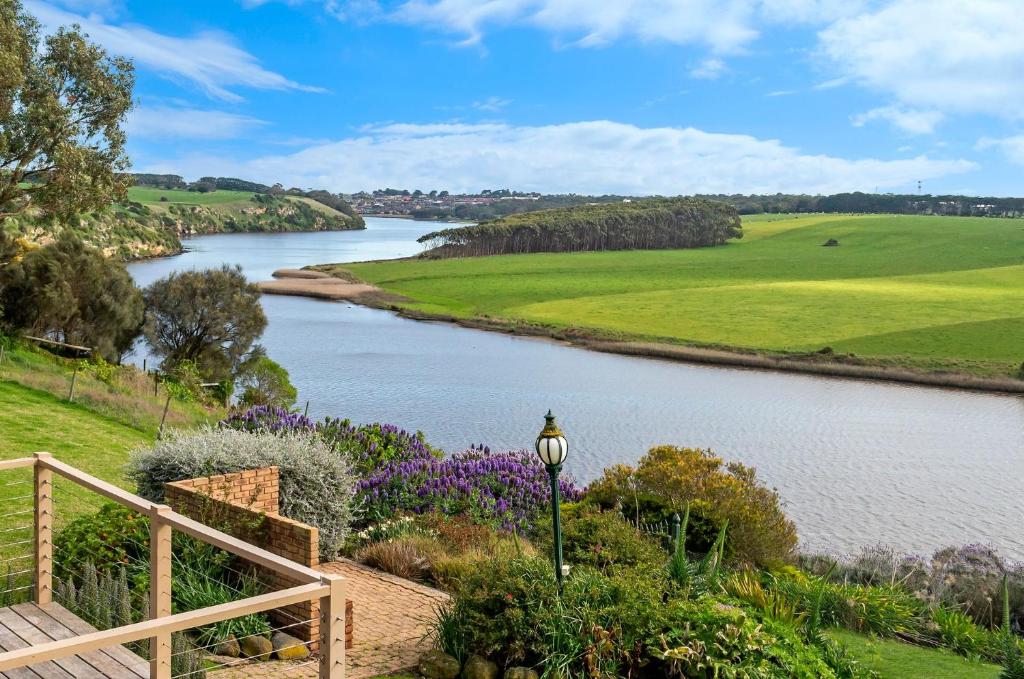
[(63, 102)]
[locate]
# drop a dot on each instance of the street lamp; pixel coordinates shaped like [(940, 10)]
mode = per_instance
[(552, 449)]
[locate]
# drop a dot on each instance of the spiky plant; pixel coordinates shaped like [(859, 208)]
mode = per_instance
[(1013, 658)]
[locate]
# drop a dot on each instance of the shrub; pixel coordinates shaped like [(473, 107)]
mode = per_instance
[(602, 539), (627, 623), (504, 490), (407, 557), (969, 578), (958, 632), (113, 538), (266, 382), (886, 610), (759, 531), (316, 484)]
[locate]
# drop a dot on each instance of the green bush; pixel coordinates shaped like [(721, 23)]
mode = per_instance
[(601, 539), (958, 632), (887, 611), (631, 622), (113, 538), (716, 492), (317, 484)]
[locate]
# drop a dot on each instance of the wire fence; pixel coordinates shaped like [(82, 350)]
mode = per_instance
[(101, 574)]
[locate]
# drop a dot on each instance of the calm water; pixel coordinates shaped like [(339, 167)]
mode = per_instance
[(857, 462)]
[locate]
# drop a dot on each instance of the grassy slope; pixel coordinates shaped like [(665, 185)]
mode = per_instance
[(897, 660), (932, 292), (226, 201), (31, 421)]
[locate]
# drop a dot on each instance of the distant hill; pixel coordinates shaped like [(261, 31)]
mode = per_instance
[(165, 208)]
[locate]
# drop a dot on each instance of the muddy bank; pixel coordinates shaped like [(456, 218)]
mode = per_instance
[(306, 283)]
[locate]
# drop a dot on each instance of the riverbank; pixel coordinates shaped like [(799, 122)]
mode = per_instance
[(923, 300), (319, 285)]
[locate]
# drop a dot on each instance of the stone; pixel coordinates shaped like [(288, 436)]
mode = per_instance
[(228, 647), (436, 664), (479, 668), (521, 673), (256, 647), (287, 647)]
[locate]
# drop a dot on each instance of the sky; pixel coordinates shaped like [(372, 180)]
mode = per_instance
[(634, 97)]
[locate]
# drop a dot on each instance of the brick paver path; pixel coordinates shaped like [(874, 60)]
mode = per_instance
[(391, 617)]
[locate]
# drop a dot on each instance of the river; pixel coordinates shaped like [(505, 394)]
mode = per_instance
[(857, 462)]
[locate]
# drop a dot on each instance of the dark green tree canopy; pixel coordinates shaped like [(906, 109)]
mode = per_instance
[(211, 317), (73, 293), (63, 101), (642, 224)]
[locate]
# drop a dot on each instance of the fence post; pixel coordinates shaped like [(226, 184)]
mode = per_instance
[(74, 377), (159, 590), (44, 531), (332, 629), (676, 521), (160, 431)]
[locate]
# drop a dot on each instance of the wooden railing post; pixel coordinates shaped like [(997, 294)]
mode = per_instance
[(44, 531), (160, 534), (332, 629)]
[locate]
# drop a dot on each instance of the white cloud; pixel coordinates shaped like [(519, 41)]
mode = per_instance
[(210, 59), (1011, 147), (947, 55), (491, 104), (724, 27), (587, 157), (911, 121), (782, 93), (709, 69), (163, 122)]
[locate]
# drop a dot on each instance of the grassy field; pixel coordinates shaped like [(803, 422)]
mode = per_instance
[(925, 292), (147, 195), (897, 660)]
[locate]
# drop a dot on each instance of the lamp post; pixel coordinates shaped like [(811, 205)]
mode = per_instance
[(552, 449)]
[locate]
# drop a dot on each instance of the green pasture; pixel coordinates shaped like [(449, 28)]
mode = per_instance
[(148, 195), (933, 292)]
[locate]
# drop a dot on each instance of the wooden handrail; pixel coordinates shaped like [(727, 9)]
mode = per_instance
[(55, 650), (329, 589), (243, 549), (100, 486), (17, 463)]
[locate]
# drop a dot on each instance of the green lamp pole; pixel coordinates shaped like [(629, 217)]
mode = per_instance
[(552, 449)]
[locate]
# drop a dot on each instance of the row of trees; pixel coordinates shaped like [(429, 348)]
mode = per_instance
[(656, 223), (875, 203)]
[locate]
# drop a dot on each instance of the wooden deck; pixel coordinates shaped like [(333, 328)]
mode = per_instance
[(28, 624)]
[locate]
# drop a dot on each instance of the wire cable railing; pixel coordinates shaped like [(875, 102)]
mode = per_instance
[(53, 570)]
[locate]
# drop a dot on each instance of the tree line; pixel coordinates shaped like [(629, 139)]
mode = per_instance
[(648, 224)]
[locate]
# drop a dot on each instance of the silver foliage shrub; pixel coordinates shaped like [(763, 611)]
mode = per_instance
[(317, 485)]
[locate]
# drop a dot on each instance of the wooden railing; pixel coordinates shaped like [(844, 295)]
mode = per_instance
[(329, 589)]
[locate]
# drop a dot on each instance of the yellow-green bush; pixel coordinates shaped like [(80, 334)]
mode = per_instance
[(669, 477)]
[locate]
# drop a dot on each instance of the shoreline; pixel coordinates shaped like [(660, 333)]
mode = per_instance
[(324, 286)]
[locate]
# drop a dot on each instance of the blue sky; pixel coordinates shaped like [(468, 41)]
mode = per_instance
[(591, 96)]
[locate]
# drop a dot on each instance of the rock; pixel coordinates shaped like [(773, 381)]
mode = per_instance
[(256, 647), (479, 668), (436, 664), (520, 673), (287, 647), (228, 647)]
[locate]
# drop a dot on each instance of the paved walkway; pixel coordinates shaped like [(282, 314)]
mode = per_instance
[(391, 618)]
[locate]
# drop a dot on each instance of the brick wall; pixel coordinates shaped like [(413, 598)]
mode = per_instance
[(245, 505)]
